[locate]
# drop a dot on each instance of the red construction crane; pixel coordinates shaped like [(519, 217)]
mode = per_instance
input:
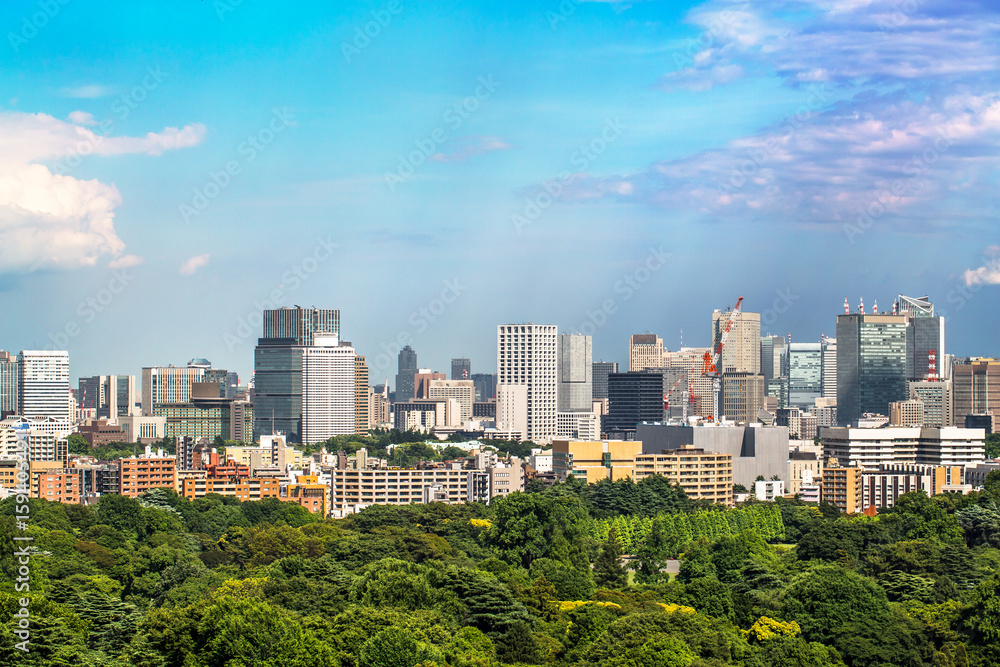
[(711, 361)]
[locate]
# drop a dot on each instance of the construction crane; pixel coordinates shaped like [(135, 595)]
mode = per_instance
[(712, 360), (684, 400)]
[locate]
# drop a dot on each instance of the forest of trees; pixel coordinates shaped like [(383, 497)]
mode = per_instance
[(535, 578)]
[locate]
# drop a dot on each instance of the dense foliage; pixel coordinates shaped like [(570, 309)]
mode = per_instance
[(618, 574)]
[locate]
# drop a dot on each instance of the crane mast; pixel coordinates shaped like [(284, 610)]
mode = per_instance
[(712, 360)]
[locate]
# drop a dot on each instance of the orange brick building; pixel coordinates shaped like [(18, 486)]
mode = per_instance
[(138, 475)]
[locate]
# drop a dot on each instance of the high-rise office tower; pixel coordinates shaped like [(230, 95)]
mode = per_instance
[(773, 357), (633, 397), (828, 359), (924, 337), (936, 396), (328, 388), (300, 324), (43, 386), (406, 369), (805, 375), (575, 363), (976, 387), (461, 369), (111, 396), (699, 388), (871, 364), (9, 376), (742, 396), (278, 368), (462, 391), (526, 355), (742, 350), (362, 406), (644, 351), (486, 386), (599, 377), (277, 389), (168, 384)]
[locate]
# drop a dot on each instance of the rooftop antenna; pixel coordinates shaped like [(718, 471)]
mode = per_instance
[(875, 306), (861, 307), (847, 309), (682, 339)]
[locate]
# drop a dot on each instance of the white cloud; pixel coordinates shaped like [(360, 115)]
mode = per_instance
[(89, 91), (471, 147), (48, 218), (125, 261), (989, 272), (190, 266)]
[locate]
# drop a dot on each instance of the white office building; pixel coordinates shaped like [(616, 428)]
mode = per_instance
[(168, 384), (327, 388), (43, 386), (527, 356)]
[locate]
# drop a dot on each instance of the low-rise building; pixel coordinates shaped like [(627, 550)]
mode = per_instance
[(842, 487), (244, 489), (871, 447), (594, 460), (703, 475), (883, 487), (140, 474), (768, 490), (98, 432)]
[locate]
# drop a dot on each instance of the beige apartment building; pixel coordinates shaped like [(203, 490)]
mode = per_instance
[(594, 460), (703, 475)]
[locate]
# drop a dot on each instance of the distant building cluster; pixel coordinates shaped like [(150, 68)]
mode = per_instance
[(855, 419)]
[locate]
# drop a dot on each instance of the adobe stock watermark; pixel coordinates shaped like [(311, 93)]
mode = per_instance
[(247, 151), (581, 159), (453, 119), (291, 280), (963, 293), (88, 309), (900, 16), (627, 287), (22, 542), (122, 107), (758, 156), (783, 301), (31, 25), (223, 7), (363, 35), (915, 168), (420, 319)]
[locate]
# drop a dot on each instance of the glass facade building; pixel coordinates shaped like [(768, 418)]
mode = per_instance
[(871, 364), (599, 377), (300, 324), (405, 370), (633, 398), (278, 388), (805, 375), (575, 390)]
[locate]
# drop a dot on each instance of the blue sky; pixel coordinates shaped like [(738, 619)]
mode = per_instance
[(607, 167)]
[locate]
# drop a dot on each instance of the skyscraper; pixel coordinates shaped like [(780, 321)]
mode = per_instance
[(644, 351), (599, 377), (486, 386), (168, 384), (406, 369), (9, 376), (805, 374), (112, 396), (576, 388), (328, 388), (633, 397), (300, 324), (742, 350), (461, 369), (828, 359), (278, 367), (526, 355), (924, 337), (976, 387), (773, 357), (43, 386), (871, 364)]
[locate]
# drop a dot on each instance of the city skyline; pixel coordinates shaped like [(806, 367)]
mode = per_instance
[(216, 159)]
